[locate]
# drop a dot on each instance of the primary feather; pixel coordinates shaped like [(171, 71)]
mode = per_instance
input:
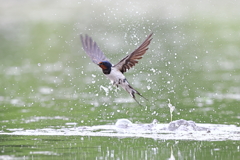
[(92, 49), (130, 60)]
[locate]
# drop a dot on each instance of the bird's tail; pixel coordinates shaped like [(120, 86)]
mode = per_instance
[(132, 92)]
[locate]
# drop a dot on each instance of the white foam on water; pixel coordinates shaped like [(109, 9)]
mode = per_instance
[(176, 130)]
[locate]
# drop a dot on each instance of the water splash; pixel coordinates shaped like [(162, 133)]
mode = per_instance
[(177, 130), (105, 89), (172, 108)]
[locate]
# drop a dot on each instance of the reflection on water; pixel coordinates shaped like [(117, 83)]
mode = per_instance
[(84, 147)]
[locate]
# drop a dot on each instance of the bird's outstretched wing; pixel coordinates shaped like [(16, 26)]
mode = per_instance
[(92, 49), (130, 60)]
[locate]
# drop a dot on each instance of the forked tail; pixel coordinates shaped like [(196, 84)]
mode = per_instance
[(132, 92)]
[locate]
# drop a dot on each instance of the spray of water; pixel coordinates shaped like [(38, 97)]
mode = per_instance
[(172, 108)]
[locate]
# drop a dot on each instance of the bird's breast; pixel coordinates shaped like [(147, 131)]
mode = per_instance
[(115, 75)]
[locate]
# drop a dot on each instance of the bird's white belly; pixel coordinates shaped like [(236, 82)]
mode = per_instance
[(116, 77)]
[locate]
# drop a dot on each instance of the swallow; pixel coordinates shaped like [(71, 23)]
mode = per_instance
[(115, 72)]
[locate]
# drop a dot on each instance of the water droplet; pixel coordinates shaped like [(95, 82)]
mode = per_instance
[(153, 70)]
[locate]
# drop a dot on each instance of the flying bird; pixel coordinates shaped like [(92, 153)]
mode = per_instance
[(115, 72)]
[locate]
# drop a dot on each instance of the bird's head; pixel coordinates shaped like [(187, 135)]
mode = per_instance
[(106, 66)]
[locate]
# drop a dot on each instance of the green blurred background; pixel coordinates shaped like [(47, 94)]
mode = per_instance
[(47, 79)]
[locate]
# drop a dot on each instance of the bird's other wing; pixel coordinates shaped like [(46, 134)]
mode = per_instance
[(92, 49), (130, 60)]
